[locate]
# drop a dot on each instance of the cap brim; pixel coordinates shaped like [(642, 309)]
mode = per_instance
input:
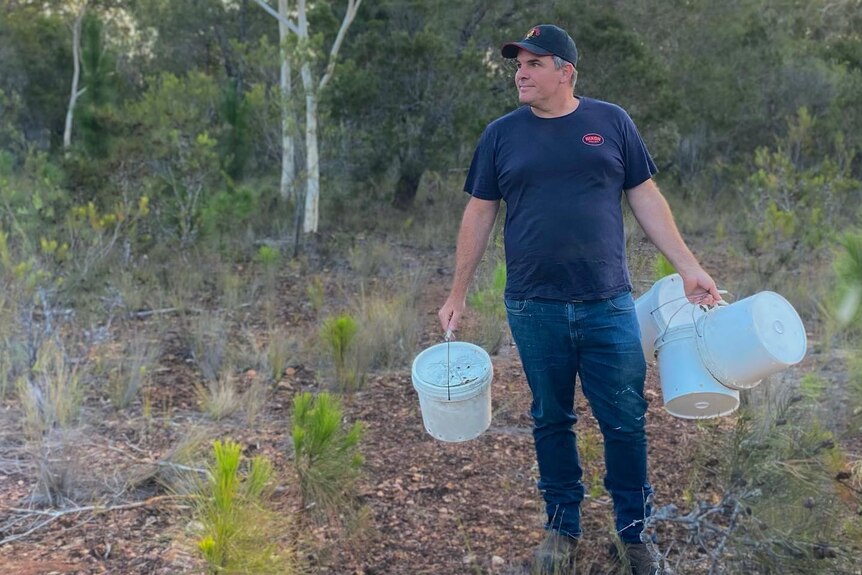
[(510, 50)]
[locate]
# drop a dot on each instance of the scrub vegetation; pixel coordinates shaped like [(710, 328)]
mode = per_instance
[(192, 380)]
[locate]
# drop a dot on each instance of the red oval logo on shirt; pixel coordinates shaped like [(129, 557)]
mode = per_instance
[(593, 140)]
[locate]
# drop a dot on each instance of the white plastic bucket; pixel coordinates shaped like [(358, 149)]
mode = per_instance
[(663, 307), (744, 342), (688, 389), (461, 411)]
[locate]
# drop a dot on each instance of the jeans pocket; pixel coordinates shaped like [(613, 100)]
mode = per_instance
[(622, 302), (515, 305)]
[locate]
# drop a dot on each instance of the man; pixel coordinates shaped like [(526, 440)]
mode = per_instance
[(561, 163)]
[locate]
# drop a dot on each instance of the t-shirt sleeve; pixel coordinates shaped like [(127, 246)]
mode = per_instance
[(639, 164), (482, 178)]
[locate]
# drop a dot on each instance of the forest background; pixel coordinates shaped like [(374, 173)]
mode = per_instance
[(202, 215)]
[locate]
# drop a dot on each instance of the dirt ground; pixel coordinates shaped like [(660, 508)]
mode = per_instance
[(432, 507)]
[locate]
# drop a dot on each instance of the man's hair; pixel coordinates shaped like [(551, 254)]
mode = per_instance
[(559, 64)]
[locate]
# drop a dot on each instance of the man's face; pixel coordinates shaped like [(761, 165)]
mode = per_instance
[(536, 78)]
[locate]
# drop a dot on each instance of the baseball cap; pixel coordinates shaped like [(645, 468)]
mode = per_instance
[(544, 40)]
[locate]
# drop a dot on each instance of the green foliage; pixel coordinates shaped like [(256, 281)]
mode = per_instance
[(775, 477), (177, 116), (662, 267), (228, 212), (487, 301), (36, 61), (393, 117), (11, 137), (798, 198), (337, 334), (239, 533), (96, 114), (326, 453), (234, 142), (848, 268), (315, 292), (590, 451), (267, 256), (32, 197)]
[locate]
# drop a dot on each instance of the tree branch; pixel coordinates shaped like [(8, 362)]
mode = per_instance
[(352, 7), (286, 21)]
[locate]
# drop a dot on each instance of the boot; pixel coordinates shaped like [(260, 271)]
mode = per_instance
[(641, 561), (555, 555)]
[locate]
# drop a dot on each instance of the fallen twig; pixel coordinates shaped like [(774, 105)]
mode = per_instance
[(53, 515)]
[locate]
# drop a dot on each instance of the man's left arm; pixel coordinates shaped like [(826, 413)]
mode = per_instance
[(653, 214)]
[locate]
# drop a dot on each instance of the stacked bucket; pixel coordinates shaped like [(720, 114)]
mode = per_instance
[(707, 356)]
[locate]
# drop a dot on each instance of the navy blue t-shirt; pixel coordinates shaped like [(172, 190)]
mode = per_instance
[(562, 180)]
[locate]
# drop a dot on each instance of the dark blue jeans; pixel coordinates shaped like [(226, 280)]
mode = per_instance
[(600, 342)]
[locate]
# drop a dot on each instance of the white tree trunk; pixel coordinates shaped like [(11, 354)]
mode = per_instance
[(300, 28), (312, 166), (288, 166), (76, 76)]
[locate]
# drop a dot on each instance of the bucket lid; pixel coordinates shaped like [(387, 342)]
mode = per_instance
[(467, 366)]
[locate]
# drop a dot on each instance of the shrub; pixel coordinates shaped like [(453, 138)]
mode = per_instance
[(240, 534), (337, 335), (326, 454), (848, 268), (772, 503), (315, 293)]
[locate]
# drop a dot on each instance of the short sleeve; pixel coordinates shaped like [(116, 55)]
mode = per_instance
[(482, 180), (639, 164)]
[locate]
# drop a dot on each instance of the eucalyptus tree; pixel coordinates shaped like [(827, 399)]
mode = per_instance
[(307, 53)]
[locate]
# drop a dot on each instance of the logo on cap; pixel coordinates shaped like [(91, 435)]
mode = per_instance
[(593, 140), (533, 33)]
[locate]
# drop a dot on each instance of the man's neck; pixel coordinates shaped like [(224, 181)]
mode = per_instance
[(557, 109)]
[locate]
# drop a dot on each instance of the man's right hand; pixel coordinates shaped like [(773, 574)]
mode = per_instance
[(451, 312)]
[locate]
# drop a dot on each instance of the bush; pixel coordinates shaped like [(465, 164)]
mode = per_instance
[(337, 335), (848, 268), (326, 455), (240, 533), (771, 502)]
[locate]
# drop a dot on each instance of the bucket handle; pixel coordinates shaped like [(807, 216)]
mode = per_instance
[(693, 306), (702, 319), (448, 338)]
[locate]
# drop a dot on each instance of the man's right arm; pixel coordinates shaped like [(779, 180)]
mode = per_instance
[(476, 226)]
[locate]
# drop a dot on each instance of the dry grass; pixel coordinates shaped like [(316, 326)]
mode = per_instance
[(51, 393), (220, 397), (207, 336), (390, 322), (132, 370)]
